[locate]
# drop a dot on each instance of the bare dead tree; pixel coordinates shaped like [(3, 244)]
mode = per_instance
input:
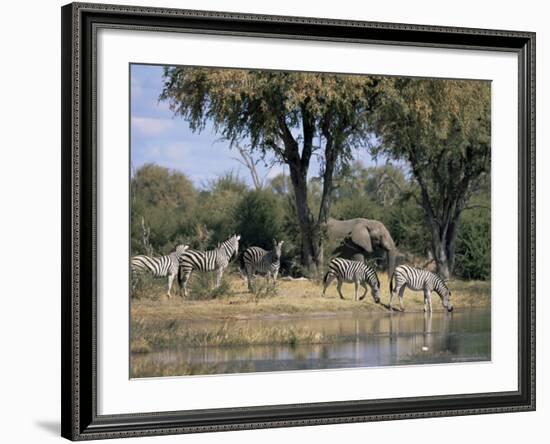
[(145, 235), (251, 164)]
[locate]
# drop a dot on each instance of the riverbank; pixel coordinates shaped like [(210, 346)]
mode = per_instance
[(159, 323)]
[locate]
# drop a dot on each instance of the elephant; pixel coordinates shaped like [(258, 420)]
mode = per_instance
[(360, 236)]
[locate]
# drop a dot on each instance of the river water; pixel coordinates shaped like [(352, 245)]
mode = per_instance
[(366, 340)]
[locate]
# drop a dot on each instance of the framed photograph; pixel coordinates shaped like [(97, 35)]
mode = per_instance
[(278, 221)]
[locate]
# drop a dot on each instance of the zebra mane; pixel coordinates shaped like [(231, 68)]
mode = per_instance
[(228, 245), (442, 281), (373, 269)]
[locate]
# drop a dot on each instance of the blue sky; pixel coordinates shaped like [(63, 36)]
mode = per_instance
[(159, 137)]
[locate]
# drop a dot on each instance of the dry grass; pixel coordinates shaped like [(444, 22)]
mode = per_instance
[(296, 297), (147, 336), (158, 323)]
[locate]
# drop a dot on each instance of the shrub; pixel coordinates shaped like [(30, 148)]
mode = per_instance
[(202, 287), (148, 287), (473, 249), (258, 219), (261, 289)]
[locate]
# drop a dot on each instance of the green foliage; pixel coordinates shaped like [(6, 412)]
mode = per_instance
[(278, 115), (261, 289), (406, 223), (258, 219), (473, 245), (442, 129), (146, 286), (164, 199), (202, 218), (202, 287), (217, 209), (250, 103)]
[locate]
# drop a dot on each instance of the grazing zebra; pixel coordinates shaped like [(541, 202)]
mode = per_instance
[(210, 260), (158, 266), (352, 271), (258, 260), (417, 279)]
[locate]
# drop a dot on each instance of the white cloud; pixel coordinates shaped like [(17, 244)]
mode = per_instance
[(136, 87), (150, 126)]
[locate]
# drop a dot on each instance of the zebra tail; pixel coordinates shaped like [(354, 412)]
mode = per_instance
[(242, 268), (241, 262), (391, 282), (326, 277)]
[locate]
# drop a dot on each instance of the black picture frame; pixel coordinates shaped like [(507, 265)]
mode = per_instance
[(79, 396)]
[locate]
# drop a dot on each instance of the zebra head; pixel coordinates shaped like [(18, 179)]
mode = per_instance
[(447, 303), (181, 249), (277, 249), (376, 293), (231, 246), (445, 295)]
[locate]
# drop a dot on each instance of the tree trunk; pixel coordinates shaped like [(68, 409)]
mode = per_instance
[(309, 230), (443, 243), (440, 255), (438, 236)]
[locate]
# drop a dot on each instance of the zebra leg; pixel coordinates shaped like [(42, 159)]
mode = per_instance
[(392, 293), (170, 281), (275, 274), (183, 282), (328, 280), (356, 289), (366, 287), (401, 292), (428, 297), (219, 275), (249, 277), (339, 288)]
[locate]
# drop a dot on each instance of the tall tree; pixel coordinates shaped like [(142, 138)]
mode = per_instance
[(442, 129), (284, 114)]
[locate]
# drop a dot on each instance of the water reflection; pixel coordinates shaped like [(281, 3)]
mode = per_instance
[(376, 339)]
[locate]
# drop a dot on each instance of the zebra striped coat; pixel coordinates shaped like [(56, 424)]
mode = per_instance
[(258, 260), (158, 266), (417, 279), (210, 260), (358, 272)]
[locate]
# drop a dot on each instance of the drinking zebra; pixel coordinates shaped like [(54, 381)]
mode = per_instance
[(158, 266), (210, 260), (258, 260), (352, 271), (417, 279)]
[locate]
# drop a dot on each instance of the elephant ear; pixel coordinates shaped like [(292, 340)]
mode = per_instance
[(361, 237)]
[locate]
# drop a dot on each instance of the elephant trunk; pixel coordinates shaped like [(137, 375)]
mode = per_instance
[(392, 256)]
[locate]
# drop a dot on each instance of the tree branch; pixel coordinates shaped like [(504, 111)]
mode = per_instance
[(248, 162), (328, 173), (308, 131)]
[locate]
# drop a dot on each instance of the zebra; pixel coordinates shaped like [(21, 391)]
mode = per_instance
[(210, 260), (352, 271), (158, 266), (256, 259), (417, 279)]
